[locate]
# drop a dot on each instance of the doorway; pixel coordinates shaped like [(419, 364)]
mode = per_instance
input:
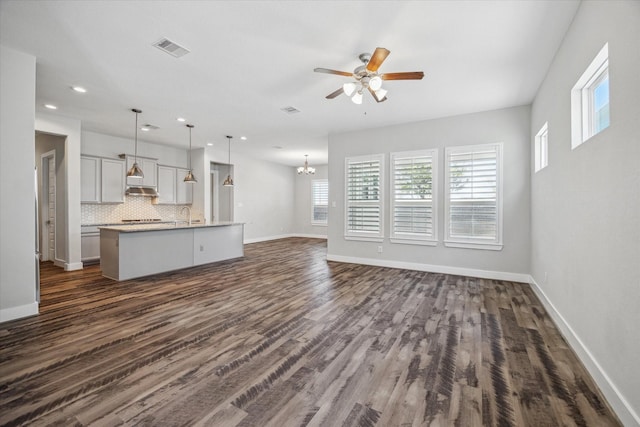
[(47, 207), (221, 196)]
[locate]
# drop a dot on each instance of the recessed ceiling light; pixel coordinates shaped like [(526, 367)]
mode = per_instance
[(50, 106), (181, 119), (143, 129), (210, 144), (244, 138), (79, 89)]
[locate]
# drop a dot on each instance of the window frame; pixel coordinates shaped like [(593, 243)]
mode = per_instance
[(582, 99), (476, 242), (541, 148), (314, 221), (406, 237), (353, 234)]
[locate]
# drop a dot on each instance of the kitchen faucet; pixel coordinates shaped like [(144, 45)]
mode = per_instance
[(188, 210)]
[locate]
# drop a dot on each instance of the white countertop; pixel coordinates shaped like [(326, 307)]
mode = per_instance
[(165, 226)]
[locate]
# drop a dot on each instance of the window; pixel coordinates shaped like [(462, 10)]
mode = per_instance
[(319, 201), (590, 100), (364, 210), (541, 148), (473, 197), (413, 198)]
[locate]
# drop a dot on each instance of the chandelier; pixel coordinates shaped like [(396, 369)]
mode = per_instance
[(306, 169)]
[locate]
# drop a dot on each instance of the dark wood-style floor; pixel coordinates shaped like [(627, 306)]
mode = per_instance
[(285, 338)]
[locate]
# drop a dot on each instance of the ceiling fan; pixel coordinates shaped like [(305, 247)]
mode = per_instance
[(368, 78)]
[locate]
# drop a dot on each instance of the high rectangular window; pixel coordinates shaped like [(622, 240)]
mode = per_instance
[(319, 201), (364, 199), (541, 148), (413, 197), (590, 100), (473, 196)]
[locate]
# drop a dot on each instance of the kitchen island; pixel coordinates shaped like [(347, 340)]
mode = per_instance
[(127, 252)]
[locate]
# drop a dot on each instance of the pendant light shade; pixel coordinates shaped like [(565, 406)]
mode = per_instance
[(189, 178), (135, 171), (228, 182)]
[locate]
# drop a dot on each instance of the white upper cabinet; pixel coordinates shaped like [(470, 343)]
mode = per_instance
[(102, 180), (166, 185)]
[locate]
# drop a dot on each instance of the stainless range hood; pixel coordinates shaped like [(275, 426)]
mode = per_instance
[(141, 191)]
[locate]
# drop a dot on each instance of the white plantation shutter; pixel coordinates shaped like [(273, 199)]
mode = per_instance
[(413, 187), (364, 197), (473, 196), (319, 201)]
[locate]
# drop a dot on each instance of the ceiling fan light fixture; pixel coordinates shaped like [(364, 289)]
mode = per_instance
[(349, 88), (375, 83), (357, 98)]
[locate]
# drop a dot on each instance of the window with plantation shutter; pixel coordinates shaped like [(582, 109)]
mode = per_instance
[(413, 197), (364, 210), (473, 196), (319, 201)]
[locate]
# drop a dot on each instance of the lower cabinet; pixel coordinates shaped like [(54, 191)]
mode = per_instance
[(90, 244)]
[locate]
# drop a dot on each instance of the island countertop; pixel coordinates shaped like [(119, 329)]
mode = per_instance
[(166, 226), (130, 251)]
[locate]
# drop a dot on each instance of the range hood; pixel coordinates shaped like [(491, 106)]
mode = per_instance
[(141, 191)]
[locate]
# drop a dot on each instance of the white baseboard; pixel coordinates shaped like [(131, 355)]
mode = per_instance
[(622, 408), (283, 236), (71, 266), (461, 271), (19, 312)]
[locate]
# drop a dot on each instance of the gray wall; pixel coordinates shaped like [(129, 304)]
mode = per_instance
[(510, 126), (17, 187), (302, 215), (586, 203)]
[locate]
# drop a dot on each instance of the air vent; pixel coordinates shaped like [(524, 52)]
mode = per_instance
[(150, 126), (171, 48), (290, 110)]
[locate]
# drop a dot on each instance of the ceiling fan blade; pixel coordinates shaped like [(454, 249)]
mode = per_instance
[(372, 92), (328, 71), (377, 58), (334, 94), (410, 75)]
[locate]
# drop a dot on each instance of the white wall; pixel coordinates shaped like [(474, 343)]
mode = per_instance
[(586, 205), (509, 126), (17, 185), (303, 209)]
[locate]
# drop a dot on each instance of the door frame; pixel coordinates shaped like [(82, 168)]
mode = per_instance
[(44, 207)]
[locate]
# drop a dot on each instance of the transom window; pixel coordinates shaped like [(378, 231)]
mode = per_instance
[(413, 202), (473, 196), (590, 100)]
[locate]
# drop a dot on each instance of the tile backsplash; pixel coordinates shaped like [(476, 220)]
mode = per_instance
[(134, 207)]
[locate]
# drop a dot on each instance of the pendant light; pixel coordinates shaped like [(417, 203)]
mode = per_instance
[(135, 171), (190, 179), (228, 182)]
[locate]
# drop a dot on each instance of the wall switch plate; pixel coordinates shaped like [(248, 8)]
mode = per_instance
[(201, 248), (379, 249)]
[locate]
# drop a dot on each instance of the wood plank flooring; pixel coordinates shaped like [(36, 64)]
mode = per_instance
[(284, 338)]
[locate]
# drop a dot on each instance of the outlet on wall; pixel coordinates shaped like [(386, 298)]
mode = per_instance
[(379, 249)]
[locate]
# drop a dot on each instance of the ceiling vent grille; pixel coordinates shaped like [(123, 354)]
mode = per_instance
[(171, 48), (290, 110), (150, 127)]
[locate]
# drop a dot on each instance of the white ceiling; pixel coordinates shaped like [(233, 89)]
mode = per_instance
[(249, 59)]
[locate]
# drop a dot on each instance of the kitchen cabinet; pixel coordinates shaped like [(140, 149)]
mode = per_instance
[(184, 191), (112, 188), (149, 169), (89, 179), (89, 244), (172, 189), (166, 185), (102, 180)]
